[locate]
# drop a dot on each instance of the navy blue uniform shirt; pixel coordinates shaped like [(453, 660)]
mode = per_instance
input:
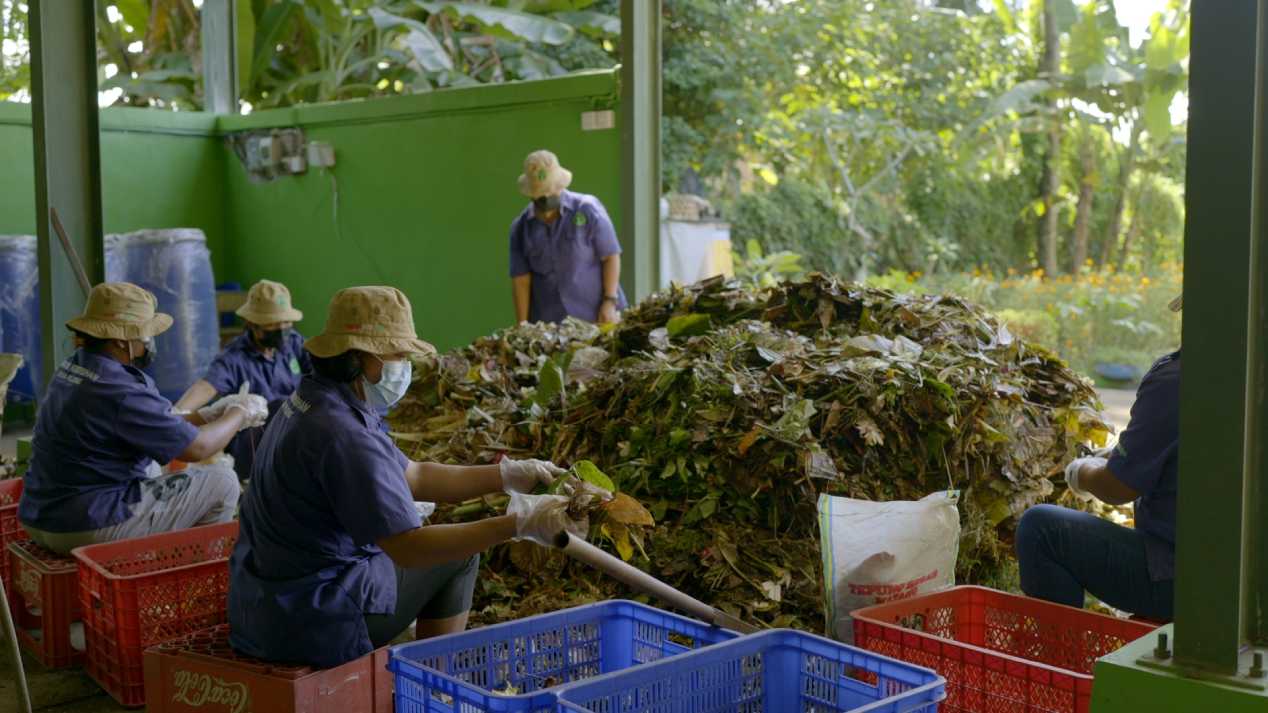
[(327, 485), (1147, 458), (273, 378), (565, 258), (98, 428)]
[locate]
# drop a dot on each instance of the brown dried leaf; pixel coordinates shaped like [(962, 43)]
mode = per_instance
[(628, 511)]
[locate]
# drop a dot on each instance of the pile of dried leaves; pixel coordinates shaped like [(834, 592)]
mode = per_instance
[(726, 411)]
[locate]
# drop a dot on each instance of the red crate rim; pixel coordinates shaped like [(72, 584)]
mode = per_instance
[(85, 555), (997, 656)]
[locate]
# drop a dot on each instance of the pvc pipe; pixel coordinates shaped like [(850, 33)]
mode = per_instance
[(583, 551), (11, 632)]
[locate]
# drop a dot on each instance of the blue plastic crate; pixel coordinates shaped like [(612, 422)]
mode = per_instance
[(771, 672), (459, 673)]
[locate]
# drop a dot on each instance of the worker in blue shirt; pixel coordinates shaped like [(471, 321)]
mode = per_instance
[(268, 358), (333, 559), (565, 259), (1065, 552), (102, 428)]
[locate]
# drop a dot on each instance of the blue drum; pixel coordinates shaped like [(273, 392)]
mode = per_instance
[(20, 313), (175, 265)]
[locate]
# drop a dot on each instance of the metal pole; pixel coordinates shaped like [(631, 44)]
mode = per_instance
[(67, 160), (1255, 499), (220, 59), (640, 145), (1219, 199)]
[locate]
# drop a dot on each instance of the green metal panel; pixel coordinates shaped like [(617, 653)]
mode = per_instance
[(1255, 501), (159, 170), (426, 189), (220, 58), (640, 143), (1130, 680), (67, 159)]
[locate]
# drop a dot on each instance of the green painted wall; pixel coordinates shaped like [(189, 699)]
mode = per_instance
[(159, 170), (425, 183), (426, 195)]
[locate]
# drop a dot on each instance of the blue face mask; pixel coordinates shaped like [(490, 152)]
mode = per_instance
[(392, 385)]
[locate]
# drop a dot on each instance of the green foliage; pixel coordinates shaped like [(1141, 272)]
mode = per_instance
[(763, 270), (796, 216)]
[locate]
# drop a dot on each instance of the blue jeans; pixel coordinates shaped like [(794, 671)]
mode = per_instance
[(1065, 552)]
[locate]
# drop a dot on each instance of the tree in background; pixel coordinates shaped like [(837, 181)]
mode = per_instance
[(919, 135)]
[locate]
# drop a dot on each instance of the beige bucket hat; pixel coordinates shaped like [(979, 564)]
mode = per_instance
[(121, 310), (543, 176), (269, 302), (378, 320)]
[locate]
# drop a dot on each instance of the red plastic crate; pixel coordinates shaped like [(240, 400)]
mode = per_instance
[(999, 652), (141, 592), (45, 604), (200, 672), (10, 529)]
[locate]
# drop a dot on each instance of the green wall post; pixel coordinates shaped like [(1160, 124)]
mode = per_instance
[(67, 160), (1255, 500), (220, 58), (640, 145)]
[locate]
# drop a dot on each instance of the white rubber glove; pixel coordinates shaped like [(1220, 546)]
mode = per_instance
[(1073, 470), (522, 476), (215, 410), (540, 518), (253, 405)]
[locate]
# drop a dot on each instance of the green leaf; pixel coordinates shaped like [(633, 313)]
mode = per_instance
[(268, 33), (589, 472), (550, 384), (1006, 16), (1157, 114), (1104, 75), (687, 325), (245, 42), (595, 24), (135, 13), (522, 25), (423, 45), (1019, 97)]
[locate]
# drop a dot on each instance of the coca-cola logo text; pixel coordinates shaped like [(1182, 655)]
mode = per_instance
[(200, 689)]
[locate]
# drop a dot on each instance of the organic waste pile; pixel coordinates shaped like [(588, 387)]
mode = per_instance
[(725, 410)]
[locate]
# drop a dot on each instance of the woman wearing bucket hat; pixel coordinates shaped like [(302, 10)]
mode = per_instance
[(565, 259), (1063, 552), (333, 559), (102, 426), (268, 359)]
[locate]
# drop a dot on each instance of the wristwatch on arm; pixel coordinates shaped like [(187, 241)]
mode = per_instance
[(608, 298)]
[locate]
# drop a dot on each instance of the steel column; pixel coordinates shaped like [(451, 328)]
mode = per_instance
[(220, 58), (67, 160), (1219, 198), (1255, 500), (640, 145)]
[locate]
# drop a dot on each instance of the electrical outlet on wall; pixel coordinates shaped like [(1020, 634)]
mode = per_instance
[(320, 154)]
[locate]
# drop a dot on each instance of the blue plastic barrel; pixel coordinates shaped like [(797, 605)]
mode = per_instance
[(20, 313), (175, 265)]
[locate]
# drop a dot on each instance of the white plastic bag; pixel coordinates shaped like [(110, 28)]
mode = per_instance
[(876, 552)]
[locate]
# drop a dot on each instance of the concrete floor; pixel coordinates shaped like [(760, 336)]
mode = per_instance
[(73, 692)]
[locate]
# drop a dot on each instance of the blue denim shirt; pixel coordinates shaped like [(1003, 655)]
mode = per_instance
[(326, 486), (100, 425), (1147, 459), (273, 378), (565, 258)]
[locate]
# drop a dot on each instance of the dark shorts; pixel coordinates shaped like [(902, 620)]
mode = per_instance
[(436, 592)]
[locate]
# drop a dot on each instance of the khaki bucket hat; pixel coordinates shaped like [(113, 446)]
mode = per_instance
[(121, 310), (543, 176), (269, 302), (378, 320)]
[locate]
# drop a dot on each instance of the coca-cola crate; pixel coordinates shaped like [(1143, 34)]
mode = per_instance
[(45, 606), (141, 592), (201, 672)]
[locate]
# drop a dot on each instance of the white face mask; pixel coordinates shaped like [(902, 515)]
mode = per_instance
[(393, 384)]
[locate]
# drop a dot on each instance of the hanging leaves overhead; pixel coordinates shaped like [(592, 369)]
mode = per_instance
[(725, 411)]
